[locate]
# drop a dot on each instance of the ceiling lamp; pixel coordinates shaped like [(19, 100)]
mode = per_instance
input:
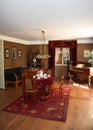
[(43, 53)]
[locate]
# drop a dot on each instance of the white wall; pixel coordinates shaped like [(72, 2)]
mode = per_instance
[(2, 82)]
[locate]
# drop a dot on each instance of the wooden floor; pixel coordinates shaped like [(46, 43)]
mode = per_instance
[(79, 116)]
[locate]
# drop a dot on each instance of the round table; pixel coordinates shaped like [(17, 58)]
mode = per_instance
[(43, 87)]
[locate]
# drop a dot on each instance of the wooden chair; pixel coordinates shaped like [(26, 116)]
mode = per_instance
[(28, 85), (57, 86), (49, 72)]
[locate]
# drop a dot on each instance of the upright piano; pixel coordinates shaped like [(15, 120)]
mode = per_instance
[(82, 69)]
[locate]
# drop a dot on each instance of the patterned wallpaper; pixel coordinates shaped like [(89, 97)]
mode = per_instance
[(22, 61), (80, 51), (28, 50), (59, 71)]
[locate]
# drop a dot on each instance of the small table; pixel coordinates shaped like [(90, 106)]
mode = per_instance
[(43, 87)]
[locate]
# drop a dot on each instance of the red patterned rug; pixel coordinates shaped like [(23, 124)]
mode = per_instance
[(51, 109)]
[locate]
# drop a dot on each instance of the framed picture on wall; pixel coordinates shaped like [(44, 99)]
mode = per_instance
[(13, 53), (19, 53), (7, 53), (86, 53)]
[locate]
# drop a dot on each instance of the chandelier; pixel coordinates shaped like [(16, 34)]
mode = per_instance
[(42, 53)]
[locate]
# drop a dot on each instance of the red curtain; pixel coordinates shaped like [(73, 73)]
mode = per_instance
[(72, 44)]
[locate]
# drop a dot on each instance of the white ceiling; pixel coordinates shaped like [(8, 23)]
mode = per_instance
[(60, 19)]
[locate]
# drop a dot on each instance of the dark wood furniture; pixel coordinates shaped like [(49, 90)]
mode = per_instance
[(28, 85), (32, 72), (57, 86), (82, 69), (13, 75), (33, 61), (43, 87)]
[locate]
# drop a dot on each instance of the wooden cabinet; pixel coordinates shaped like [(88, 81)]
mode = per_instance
[(33, 61)]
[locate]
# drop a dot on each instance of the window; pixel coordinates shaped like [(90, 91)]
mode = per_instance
[(62, 55)]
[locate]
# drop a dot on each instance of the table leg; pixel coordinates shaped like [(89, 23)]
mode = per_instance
[(89, 80)]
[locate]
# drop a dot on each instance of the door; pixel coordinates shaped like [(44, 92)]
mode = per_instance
[(2, 82)]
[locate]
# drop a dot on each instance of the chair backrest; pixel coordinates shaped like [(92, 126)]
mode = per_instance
[(28, 81), (49, 72), (62, 81)]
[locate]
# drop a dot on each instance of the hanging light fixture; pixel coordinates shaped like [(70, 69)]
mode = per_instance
[(43, 54)]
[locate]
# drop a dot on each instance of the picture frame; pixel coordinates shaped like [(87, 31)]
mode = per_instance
[(19, 53), (13, 53), (86, 53), (7, 53)]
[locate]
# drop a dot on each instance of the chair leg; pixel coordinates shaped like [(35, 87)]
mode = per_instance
[(60, 93), (24, 98), (6, 84), (34, 95), (16, 84)]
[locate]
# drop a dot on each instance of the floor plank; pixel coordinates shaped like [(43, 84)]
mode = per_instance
[(79, 116)]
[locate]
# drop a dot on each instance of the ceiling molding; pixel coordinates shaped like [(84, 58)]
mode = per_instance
[(2, 37), (79, 41), (83, 41)]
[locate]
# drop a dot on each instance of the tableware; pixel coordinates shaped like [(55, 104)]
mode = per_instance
[(34, 76), (48, 75)]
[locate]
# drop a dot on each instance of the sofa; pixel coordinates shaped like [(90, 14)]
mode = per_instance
[(13, 75)]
